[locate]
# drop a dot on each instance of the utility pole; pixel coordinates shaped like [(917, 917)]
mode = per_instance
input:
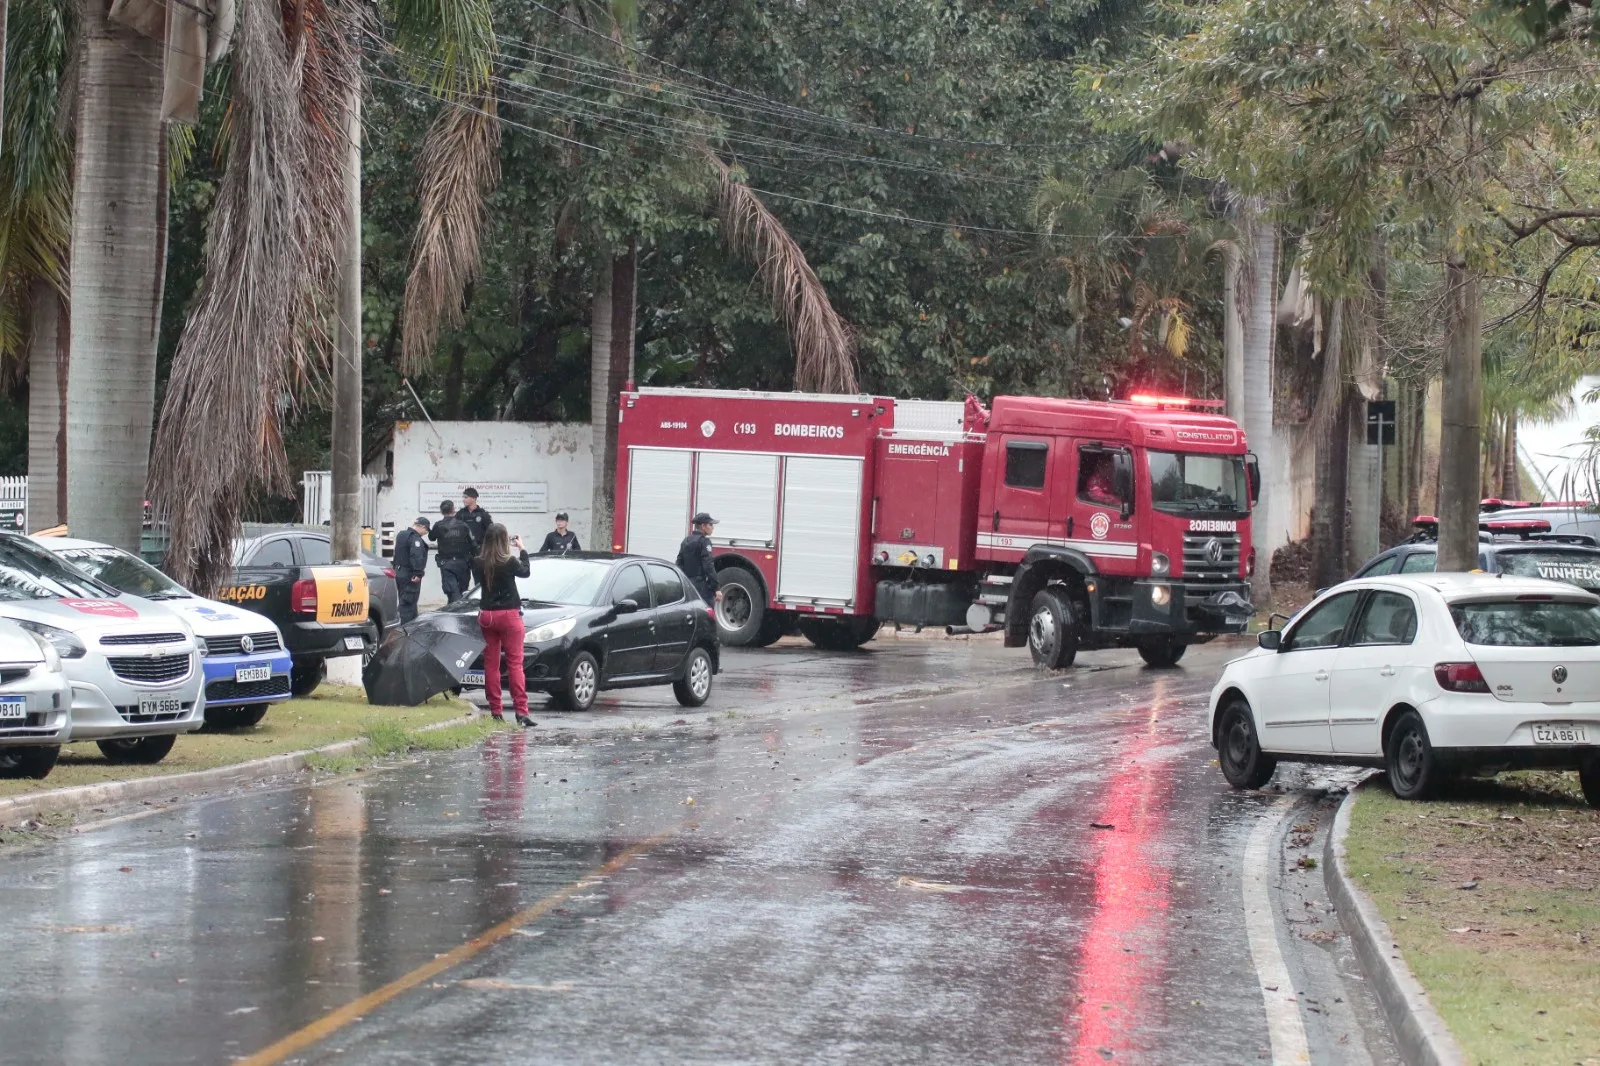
[(346, 532)]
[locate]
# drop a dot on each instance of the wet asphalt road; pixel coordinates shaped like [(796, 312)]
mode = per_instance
[(925, 853)]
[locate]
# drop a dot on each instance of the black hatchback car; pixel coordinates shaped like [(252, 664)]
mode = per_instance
[(1507, 545), (597, 620)]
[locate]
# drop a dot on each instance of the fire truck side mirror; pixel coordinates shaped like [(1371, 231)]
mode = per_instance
[(1252, 468), (1122, 481)]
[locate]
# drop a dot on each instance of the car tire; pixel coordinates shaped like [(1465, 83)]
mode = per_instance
[(742, 612), (580, 683), (1589, 778), (1239, 752), (254, 713), (1052, 630), (1161, 653), (306, 675), (1414, 771), (370, 652), (29, 762), (223, 719), (695, 686), (141, 750)]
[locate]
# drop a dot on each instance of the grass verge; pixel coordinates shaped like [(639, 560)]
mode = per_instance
[(1493, 895), (333, 713)]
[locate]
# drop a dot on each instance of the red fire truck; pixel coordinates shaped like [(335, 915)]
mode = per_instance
[(1072, 524)]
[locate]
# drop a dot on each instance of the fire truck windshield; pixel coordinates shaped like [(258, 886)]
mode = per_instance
[(1186, 483)]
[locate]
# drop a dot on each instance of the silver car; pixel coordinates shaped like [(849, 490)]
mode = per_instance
[(134, 665), (35, 703)]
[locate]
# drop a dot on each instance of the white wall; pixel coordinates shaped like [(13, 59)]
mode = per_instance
[(554, 455)]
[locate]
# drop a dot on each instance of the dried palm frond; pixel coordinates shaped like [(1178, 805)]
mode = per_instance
[(824, 348), (275, 233), (460, 167)]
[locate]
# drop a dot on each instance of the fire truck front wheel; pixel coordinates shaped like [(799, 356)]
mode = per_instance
[(743, 609), (1161, 652), (1052, 630)]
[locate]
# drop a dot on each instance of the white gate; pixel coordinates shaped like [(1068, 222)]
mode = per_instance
[(659, 483), (14, 504), (316, 509), (818, 557)]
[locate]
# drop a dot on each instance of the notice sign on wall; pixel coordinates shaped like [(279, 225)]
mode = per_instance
[(496, 497)]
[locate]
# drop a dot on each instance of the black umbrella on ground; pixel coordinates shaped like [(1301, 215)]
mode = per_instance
[(422, 659)]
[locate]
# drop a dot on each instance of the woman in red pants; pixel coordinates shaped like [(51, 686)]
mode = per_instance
[(500, 615)]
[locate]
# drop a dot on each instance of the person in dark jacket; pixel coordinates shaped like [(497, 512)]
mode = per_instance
[(410, 560), (694, 558), (500, 617), (476, 518), (560, 540), (455, 552)]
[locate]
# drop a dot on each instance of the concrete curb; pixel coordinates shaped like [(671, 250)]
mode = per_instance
[(1422, 1036), (173, 787)]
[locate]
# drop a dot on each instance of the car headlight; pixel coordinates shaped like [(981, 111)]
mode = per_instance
[(1160, 595), (551, 631), (201, 646), (52, 658), (65, 644), (1160, 564)]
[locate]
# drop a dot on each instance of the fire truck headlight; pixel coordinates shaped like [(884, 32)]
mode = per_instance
[(1160, 595), (1160, 564)]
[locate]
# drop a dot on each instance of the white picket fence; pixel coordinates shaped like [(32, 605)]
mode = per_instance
[(14, 504), (316, 507)]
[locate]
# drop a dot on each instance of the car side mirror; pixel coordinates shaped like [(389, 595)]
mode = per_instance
[(1252, 469), (625, 606), (1271, 640), (1122, 481)]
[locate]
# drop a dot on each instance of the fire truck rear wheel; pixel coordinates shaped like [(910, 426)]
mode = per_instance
[(742, 609), (844, 635), (1052, 630), (1161, 652), (774, 625)]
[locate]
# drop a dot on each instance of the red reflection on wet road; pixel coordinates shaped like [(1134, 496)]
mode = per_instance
[(505, 765), (1123, 950)]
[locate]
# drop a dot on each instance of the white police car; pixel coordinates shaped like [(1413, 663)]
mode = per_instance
[(35, 702), (246, 665)]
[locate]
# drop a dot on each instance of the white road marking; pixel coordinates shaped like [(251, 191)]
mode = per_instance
[(1284, 1026)]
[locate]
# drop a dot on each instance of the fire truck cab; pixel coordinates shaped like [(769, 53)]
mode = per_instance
[(1071, 524)]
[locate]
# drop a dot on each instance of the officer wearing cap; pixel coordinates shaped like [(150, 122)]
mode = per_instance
[(410, 560), (560, 540), (475, 518), (694, 558)]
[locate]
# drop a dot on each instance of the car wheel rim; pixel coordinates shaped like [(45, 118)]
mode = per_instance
[(1238, 746), (1408, 761), (583, 682), (733, 610), (1042, 634), (699, 676)]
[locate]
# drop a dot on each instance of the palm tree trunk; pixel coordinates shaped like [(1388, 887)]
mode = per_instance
[(602, 408), (1510, 474), (347, 357), (1257, 342), (119, 213), (1462, 422), (5, 17), (1232, 334), (47, 403), (624, 299), (1333, 451)]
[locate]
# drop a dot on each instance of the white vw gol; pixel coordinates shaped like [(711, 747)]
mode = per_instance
[(1427, 676), (134, 667)]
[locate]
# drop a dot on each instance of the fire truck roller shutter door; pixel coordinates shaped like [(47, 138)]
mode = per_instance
[(659, 482), (741, 489), (818, 554)]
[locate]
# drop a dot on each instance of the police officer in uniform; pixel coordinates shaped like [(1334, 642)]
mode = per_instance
[(455, 552), (476, 518), (410, 560), (694, 558), (560, 540)]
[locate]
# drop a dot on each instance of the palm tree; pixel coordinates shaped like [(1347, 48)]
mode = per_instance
[(35, 228), (1259, 282), (119, 214)]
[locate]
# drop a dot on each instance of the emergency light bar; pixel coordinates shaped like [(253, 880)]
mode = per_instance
[(1145, 399), (1519, 526)]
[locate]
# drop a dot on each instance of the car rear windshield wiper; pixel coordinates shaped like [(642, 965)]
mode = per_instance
[(1572, 642)]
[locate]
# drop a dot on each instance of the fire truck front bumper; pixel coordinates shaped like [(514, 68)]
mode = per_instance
[(1199, 610)]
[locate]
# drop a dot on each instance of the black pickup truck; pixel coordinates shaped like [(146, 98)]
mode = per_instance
[(324, 609)]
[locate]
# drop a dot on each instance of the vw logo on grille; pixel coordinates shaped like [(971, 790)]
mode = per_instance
[(1559, 675), (1214, 551), (247, 645)]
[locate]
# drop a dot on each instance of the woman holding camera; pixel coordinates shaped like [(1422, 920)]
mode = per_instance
[(500, 616)]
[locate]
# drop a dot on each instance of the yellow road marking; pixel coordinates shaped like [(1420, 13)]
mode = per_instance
[(335, 1020)]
